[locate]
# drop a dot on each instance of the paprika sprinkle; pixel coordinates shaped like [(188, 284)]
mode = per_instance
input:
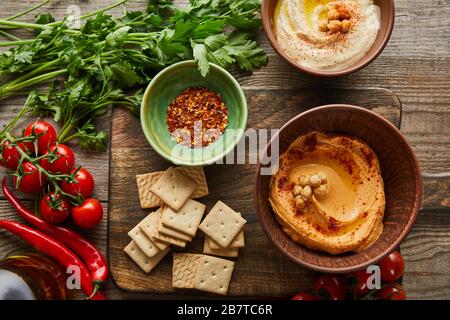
[(197, 117)]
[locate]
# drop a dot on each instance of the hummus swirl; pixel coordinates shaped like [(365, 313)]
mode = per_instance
[(349, 217), (298, 33)]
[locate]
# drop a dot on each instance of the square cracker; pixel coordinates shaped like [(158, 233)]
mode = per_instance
[(149, 227), (185, 220), (150, 200), (145, 263), (222, 252), (222, 224), (184, 269), (238, 242), (174, 188), (143, 242), (213, 275), (158, 236), (173, 233)]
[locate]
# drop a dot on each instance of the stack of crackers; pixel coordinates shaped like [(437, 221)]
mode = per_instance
[(176, 222)]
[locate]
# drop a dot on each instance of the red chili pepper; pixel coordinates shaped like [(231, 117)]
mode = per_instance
[(56, 251), (87, 251)]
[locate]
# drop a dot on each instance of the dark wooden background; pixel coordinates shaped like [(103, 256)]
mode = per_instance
[(415, 66)]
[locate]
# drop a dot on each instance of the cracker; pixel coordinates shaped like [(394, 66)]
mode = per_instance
[(238, 242), (143, 242), (145, 263), (222, 252), (174, 188), (187, 219), (222, 224), (148, 199), (173, 233), (184, 269), (149, 227), (213, 275), (169, 240)]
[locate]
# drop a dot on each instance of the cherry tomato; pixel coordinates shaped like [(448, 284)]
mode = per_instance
[(304, 296), (392, 267), (360, 283), (10, 155), (54, 209), (65, 161), (85, 185), (89, 214), (32, 180), (330, 287), (47, 138), (391, 292)]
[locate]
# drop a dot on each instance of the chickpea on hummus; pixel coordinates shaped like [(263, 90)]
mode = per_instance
[(326, 35), (328, 193)]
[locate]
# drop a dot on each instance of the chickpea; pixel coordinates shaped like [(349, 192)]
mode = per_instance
[(333, 14), (307, 193), (343, 13), (304, 181), (322, 191), (346, 25), (297, 190), (323, 26), (334, 26), (315, 181), (299, 202), (323, 177)]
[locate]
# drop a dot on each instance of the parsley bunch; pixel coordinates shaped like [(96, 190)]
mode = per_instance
[(88, 70)]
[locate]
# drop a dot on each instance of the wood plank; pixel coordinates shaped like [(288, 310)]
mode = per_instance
[(270, 109)]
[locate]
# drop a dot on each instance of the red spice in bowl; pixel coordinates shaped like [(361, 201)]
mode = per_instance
[(197, 117)]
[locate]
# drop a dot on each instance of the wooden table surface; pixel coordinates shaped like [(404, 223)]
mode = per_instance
[(415, 66)]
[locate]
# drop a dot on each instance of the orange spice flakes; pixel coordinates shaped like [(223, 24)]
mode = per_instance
[(197, 117)]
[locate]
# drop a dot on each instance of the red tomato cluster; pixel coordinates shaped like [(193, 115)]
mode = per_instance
[(56, 160), (354, 286)]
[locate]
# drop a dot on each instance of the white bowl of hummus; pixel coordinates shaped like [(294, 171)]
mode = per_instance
[(328, 37), (346, 191)]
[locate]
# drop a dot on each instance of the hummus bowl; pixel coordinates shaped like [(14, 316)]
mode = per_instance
[(328, 38), (400, 173)]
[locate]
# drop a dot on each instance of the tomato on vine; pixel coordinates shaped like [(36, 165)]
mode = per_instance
[(10, 156), (84, 185), (392, 267), (45, 131), (31, 180), (54, 208), (391, 292), (89, 214), (330, 287), (61, 159)]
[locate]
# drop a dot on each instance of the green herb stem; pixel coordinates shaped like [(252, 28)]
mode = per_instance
[(14, 43), (5, 91), (28, 10), (22, 25), (43, 68), (8, 35)]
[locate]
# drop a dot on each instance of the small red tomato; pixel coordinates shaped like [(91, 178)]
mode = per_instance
[(89, 214), (64, 161), (391, 292), (392, 267), (360, 279), (10, 156), (32, 180), (47, 136), (84, 186), (330, 287), (54, 209), (304, 296)]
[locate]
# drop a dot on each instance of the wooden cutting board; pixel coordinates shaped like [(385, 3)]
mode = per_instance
[(261, 270)]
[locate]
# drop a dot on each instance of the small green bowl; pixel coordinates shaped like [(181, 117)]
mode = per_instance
[(166, 86)]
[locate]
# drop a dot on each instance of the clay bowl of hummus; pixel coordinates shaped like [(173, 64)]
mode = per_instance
[(346, 190), (328, 38)]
